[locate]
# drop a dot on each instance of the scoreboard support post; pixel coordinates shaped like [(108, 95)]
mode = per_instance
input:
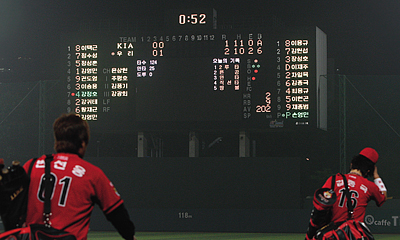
[(142, 145), (193, 145), (244, 144)]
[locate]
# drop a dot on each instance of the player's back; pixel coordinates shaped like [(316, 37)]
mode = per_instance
[(361, 192), (77, 186)]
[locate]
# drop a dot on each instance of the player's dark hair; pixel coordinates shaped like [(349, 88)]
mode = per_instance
[(363, 164), (70, 131)]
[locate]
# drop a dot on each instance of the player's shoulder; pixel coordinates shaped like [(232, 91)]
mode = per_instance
[(80, 167), (75, 161), (28, 163), (335, 177), (361, 180)]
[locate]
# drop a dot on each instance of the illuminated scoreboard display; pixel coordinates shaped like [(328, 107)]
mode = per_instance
[(196, 76)]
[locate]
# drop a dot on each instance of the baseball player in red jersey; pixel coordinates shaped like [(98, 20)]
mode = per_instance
[(361, 189), (78, 185)]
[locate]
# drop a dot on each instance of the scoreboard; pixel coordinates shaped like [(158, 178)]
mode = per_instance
[(193, 75)]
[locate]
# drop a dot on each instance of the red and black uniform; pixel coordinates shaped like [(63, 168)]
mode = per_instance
[(362, 191), (77, 187)]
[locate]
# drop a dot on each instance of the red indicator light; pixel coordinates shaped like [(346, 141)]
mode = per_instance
[(253, 78), (72, 94), (256, 71)]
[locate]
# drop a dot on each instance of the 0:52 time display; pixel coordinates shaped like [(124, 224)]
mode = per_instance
[(193, 18)]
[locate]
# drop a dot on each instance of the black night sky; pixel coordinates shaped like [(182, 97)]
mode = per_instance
[(362, 35)]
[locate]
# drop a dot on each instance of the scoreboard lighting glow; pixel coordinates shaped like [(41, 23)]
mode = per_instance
[(244, 79)]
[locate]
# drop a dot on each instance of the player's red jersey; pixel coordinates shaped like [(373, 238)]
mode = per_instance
[(362, 191), (78, 186)]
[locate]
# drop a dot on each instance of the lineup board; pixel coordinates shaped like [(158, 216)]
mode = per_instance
[(193, 75)]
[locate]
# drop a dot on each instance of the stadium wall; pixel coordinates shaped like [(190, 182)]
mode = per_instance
[(220, 195), (207, 194)]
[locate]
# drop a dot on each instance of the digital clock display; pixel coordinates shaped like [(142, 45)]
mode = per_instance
[(197, 79), (193, 18)]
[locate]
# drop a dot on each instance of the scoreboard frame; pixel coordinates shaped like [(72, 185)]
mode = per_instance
[(185, 90)]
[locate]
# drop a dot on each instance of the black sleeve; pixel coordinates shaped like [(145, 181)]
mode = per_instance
[(121, 221)]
